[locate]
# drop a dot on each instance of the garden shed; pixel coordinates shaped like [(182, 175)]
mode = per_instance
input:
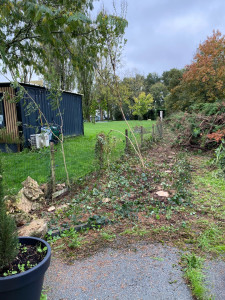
[(21, 117)]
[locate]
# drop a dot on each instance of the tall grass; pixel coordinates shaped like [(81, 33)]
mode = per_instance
[(79, 151)]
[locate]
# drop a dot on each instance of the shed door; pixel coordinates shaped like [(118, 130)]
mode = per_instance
[(2, 116)]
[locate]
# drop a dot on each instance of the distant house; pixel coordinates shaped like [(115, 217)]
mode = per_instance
[(19, 119)]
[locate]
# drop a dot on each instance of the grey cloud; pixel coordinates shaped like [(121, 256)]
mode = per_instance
[(163, 34)]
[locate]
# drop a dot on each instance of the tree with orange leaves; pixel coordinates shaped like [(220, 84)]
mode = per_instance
[(205, 77)]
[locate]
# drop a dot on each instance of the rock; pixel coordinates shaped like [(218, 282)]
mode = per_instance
[(37, 228), (162, 194), (21, 218), (23, 204), (45, 189), (60, 186), (106, 200), (32, 190), (51, 208), (10, 202)]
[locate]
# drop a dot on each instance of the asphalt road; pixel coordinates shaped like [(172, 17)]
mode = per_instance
[(143, 272)]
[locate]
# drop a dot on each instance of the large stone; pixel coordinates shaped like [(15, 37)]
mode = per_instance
[(21, 218), (37, 228), (32, 190), (24, 204)]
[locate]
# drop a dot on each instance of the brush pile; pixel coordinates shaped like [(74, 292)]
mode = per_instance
[(197, 129)]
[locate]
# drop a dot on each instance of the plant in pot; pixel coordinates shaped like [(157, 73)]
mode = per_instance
[(23, 260)]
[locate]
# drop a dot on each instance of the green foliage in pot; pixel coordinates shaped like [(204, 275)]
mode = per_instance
[(8, 234)]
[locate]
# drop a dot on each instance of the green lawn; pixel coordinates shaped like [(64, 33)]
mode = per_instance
[(80, 156)]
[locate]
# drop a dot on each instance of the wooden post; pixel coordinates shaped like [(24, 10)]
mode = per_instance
[(153, 132), (142, 136), (158, 130), (126, 141), (52, 153), (161, 130)]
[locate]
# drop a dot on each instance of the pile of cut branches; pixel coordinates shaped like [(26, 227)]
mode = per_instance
[(195, 129)]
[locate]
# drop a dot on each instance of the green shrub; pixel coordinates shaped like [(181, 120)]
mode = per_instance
[(208, 109)]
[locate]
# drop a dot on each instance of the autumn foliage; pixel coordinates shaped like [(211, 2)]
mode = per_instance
[(206, 75), (217, 136)]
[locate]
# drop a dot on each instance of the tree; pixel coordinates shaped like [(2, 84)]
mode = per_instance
[(103, 95), (205, 77), (130, 88), (152, 78), (142, 104), (85, 75), (176, 96), (172, 78), (28, 27), (158, 91)]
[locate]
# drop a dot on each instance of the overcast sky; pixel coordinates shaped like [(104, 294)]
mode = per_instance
[(164, 34)]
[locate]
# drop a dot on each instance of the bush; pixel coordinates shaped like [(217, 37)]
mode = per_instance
[(208, 109)]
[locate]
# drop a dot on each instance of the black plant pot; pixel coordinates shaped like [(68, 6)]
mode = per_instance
[(26, 285)]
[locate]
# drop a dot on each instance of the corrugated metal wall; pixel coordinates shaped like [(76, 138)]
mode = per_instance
[(32, 120), (10, 113)]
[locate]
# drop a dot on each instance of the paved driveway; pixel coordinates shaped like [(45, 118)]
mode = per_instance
[(142, 272)]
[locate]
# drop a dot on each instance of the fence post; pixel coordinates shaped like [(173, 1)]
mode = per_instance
[(153, 132), (52, 153), (99, 149), (141, 136), (161, 129), (127, 146)]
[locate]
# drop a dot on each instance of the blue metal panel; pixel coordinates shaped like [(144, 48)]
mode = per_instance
[(4, 147), (32, 120)]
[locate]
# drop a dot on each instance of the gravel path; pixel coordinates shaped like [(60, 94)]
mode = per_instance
[(215, 278), (142, 272)]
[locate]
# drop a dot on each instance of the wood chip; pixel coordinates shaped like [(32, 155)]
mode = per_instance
[(51, 208), (162, 194)]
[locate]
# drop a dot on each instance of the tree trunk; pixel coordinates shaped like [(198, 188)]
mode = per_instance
[(101, 114)]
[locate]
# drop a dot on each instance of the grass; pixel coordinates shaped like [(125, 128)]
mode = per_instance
[(192, 266), (80, 156)]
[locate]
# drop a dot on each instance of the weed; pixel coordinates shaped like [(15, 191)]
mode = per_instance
[(107, 236), (192, 266), (156, 258), (41, 250), (212, 239), (136, 230), (73, 238), (9, 273), (43, 296)]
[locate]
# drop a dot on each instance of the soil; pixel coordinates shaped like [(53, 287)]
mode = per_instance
[(27, 258)]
